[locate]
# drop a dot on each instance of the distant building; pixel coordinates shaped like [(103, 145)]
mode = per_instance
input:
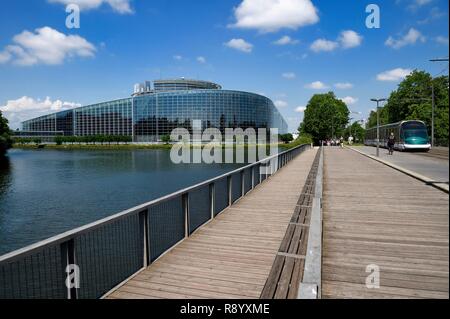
[(155, 110)]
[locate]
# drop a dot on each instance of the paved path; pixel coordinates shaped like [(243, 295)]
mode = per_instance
[(375, 215), (231, 257), (434, 168)]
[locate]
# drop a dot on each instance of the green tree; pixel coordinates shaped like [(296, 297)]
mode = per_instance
[(384, 118), (5, 135), (59, 140), (355, 130), (165, 139), (286, 138), (325, 116)]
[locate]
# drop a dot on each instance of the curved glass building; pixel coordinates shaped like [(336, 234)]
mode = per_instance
[(155, 111)]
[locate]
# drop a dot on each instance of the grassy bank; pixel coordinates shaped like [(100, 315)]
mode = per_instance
[(116, 146), (300, 141), (94, 147)]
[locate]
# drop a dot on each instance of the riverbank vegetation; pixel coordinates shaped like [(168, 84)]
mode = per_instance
[(112, 142), (5, 136), (301, 140)]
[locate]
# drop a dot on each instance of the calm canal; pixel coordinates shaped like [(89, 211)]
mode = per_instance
[(46, 192)]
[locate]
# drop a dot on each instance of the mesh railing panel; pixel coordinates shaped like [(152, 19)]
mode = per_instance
[(265, 170), (220, 195), (36, 276), (199, 208), (256, 174), (247, 180), (166, 222), (108, 255), (236, 186)]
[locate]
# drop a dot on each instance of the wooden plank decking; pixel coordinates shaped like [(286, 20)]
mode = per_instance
[(231, 257), (376, 215)]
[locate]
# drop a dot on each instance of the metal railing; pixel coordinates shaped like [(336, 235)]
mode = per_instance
[(88, 262)]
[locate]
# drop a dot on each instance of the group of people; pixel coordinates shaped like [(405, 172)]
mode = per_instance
[(335, 142), (340, 142)]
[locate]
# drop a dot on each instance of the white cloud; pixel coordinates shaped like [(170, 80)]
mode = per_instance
[(408, 39), (120, 6), (435, 14), (285, 41), (344, 86), (300, 109), (201, 60), (26, 108), (45, 46), (324, 45), (289, 75), (350, 39), (440, 39), (178, 57), (416, 4), (349, 100), (422, 2), (347, 39), (394, 75), (317, 86), (240, 45), (280, 103), (5, 56), (273, 15)]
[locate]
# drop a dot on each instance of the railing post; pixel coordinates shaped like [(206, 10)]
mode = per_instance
[(144, 234), (230, 189), (242, 183), (185, 201), (212, 198), (253, 177), (68, 259), (259, 172)]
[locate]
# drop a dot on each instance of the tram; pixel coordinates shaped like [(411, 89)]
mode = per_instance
[(409, 135)]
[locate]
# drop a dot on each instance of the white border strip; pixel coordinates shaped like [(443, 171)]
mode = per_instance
[(311, 285)]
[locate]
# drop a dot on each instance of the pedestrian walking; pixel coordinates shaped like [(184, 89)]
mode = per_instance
[(391, 143)]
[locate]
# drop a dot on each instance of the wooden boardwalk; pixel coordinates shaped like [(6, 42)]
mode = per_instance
[(231, 257), (376, 215)]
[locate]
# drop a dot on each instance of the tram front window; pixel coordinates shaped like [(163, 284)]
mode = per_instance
[(416, 133)]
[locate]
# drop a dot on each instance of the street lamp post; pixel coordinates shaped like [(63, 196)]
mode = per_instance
[(433, 105), (378, 123)]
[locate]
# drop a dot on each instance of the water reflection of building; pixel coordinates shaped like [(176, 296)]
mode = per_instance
[(155, 110)]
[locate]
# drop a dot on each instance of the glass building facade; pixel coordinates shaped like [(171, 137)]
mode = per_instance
[(148, 116)]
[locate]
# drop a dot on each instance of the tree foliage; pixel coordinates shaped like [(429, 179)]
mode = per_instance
[(355, 130), (325, 117), (5, 135), (413, 101), (93, 139), (165, 139), (286, 138)]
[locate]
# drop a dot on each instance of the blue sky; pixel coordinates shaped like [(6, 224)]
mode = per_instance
[(46, 67)]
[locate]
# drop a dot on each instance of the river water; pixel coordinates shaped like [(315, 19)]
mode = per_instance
[(46, 192)]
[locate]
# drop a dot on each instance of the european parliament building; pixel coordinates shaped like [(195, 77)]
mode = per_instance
[(155, 109)]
